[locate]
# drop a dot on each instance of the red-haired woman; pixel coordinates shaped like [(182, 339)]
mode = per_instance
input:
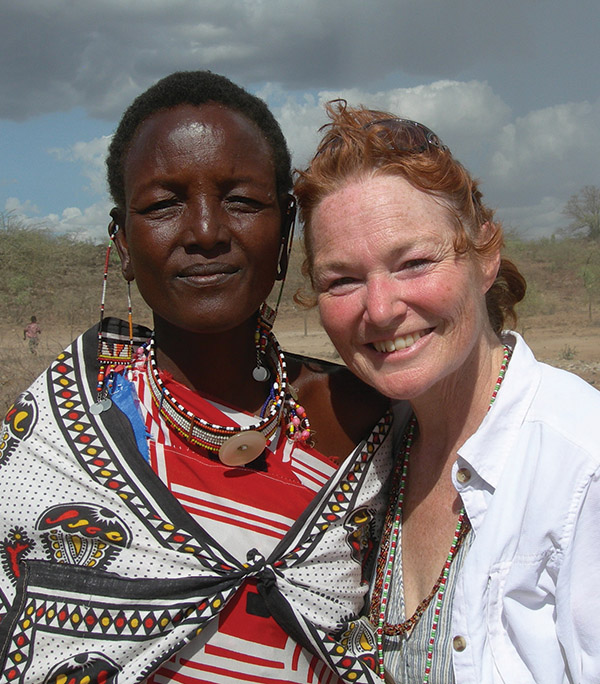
[(488, 565)]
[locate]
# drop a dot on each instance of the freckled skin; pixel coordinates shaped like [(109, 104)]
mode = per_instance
[(385, 267)]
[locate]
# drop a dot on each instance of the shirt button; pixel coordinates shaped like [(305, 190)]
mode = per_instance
[(463, 475), (459, 643)]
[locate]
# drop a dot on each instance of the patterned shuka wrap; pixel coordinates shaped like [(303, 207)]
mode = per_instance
[(106, 576)]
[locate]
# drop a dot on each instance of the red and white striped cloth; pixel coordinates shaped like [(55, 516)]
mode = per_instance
[(242, 509)]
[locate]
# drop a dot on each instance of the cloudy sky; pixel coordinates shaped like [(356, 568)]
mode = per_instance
[(512, 86)]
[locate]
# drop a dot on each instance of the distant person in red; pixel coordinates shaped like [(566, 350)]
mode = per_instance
[(32, 333)]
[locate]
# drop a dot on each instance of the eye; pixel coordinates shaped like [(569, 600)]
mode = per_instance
[(244, 203), (340, 286), (413, 268), (158, 207), (416, 264)]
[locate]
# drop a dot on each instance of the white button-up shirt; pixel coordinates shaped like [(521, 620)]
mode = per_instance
[(527, 602)]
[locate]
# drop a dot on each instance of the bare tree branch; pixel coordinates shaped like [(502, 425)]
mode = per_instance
[(583, 208)]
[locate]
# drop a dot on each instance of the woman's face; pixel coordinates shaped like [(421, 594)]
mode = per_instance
[(202, 225), (402, 308)]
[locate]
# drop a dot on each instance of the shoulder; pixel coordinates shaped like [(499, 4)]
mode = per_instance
[(562, 404), (569, 406), (113, 332), (336, 400), (343, 388)]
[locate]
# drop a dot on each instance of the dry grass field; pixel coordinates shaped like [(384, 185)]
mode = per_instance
[(560, 317), (567, 342)]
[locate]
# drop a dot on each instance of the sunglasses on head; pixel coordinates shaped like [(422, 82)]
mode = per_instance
[(405, 135), (402, 135)]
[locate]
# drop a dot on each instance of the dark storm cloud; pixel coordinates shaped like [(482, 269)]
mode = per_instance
[(510, 85), (58, 54)]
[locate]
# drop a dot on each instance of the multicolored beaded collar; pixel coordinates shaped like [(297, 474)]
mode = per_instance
[(235, 445), (389, 543)]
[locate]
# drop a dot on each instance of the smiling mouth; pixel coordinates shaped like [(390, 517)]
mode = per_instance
[(400, 342)]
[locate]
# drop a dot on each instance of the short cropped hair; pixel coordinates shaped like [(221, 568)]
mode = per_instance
[(195, 88)]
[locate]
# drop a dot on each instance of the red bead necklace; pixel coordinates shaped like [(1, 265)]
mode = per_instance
[(389, 544), (235, 445)]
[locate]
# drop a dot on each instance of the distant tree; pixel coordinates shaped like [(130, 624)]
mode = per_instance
[(590, 274), (583, 208)]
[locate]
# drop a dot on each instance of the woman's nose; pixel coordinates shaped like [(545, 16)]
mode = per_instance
[(204, 225), (384, 303)]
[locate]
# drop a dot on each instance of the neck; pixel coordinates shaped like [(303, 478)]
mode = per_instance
[(451, 411), (217, 365)]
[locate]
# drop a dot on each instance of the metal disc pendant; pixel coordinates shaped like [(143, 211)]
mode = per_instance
[(100, 406), (260, 374), (242, 448)]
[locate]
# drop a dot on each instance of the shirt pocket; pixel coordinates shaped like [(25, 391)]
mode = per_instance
[(509, 667)]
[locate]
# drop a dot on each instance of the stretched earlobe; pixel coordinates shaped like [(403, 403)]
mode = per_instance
[(287, 237), (120, 241)]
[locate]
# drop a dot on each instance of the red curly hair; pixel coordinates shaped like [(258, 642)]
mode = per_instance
[(361, 142)]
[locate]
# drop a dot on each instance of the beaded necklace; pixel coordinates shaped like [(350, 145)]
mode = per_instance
[(235, 445), (385, 563)]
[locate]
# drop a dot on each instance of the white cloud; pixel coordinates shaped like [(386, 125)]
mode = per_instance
[(467, 115), (14, 206), (535, 221), (299, 118), (552, 148), (91, 156), (530, 164), (88, 224)]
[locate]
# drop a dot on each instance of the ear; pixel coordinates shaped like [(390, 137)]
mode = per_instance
[(116, 232), (490, 258), (287, 236)]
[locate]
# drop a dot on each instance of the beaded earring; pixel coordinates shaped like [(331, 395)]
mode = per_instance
[(115, 352), (267, 315), (264, 325)]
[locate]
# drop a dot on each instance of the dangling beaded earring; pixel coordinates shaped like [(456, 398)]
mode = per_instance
[(264, 325), (298, 426), (114, 355), (267, 315)]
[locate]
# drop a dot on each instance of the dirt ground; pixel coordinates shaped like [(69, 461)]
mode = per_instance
[(577, 351), (574, 347)]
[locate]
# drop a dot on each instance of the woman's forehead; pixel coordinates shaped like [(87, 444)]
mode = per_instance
[(375, 197), (210, 121), (207, 139)]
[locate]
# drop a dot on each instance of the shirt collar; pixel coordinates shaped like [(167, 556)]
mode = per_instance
[(487, 452)]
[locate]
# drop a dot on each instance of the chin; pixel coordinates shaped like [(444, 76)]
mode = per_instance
[(402, 385)]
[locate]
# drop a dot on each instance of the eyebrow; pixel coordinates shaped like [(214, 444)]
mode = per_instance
[(393, 253)]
